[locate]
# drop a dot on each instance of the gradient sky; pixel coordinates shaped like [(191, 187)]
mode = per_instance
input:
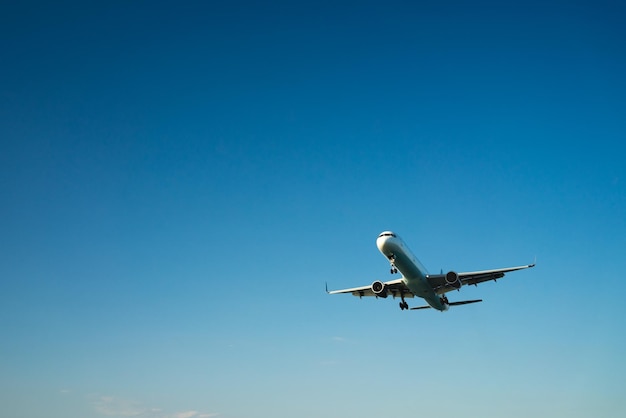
[(178, 180)]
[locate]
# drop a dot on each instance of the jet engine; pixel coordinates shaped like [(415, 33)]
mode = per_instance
[(379, 289), (453, 280)]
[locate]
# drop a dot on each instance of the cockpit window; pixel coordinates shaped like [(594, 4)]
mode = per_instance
[(387, 234)]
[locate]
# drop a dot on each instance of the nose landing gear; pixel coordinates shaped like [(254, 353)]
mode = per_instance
[(392, 260)]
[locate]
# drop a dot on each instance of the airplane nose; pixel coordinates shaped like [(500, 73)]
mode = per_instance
[(380, 243), (383, 243)]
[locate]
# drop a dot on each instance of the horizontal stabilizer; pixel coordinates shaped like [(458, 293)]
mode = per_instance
[(420, 307), (464, 302)]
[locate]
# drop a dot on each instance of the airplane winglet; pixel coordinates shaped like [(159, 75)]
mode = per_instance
[(327, 287)]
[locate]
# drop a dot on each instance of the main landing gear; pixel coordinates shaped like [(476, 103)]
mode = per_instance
[(403, 304)]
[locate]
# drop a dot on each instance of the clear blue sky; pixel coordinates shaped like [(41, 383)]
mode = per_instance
[(178, 180)]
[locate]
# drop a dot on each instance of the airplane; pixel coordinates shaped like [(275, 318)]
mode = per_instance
[(415, 280)]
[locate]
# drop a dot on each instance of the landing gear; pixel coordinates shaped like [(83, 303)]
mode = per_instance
[(392, 260), (444, 300), (403, 304)]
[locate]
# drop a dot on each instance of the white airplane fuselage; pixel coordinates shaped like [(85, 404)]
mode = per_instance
[(413, 272)]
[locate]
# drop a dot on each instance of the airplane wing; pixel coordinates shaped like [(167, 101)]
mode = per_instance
[(438, 281), (394, 288)]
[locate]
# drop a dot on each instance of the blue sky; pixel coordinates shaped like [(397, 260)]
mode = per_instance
[(180, 179)]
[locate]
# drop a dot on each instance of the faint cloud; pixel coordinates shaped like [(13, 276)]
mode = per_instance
[(65, 391), (115, 407), (187, 414), (111, 406), (340, 339), (193, 414)]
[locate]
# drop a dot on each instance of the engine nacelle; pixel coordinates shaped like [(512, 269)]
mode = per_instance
[(452, 279), (379, 289)]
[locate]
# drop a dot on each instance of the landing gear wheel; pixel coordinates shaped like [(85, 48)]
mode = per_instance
[(404, 305), (393, 270)]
